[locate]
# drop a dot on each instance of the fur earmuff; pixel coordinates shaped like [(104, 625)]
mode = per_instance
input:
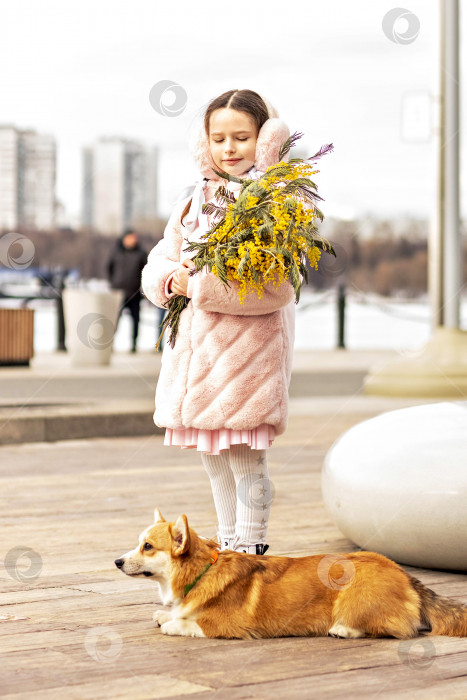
[(271, 136)]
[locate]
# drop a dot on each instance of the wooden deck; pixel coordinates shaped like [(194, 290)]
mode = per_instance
[(75, 627)]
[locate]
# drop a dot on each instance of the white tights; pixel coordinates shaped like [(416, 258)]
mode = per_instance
[(242, 494)]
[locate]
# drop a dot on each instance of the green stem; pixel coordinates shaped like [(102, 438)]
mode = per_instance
[(175, 306)]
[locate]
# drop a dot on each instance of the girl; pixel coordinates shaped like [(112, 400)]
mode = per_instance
[(223, 388)]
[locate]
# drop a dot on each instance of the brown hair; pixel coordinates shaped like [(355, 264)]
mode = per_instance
[(246, 101)]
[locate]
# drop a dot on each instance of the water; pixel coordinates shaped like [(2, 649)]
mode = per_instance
[(371, 323)]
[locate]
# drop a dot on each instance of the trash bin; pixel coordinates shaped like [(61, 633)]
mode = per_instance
[(90, 323), (16, 336)]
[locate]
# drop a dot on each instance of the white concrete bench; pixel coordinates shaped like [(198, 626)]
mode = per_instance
[(397, 484)]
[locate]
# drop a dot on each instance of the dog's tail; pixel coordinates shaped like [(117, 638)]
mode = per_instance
[(440, 615)]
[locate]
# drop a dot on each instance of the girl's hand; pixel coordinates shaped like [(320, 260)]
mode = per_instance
[(179, 283)]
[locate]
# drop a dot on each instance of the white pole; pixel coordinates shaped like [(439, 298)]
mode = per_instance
[(441, 368), (450, 148), (436, 237)]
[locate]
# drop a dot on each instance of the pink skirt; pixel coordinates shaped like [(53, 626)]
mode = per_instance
[(212, 441)]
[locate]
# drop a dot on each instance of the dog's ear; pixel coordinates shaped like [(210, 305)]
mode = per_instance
[(158, 517), (180, 536)]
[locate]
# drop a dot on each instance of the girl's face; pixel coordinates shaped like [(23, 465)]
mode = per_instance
[(232, 140)]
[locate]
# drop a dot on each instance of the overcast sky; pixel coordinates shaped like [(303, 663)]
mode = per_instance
[(84, 69)]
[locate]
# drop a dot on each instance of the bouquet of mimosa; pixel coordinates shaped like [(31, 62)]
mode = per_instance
[(265, 235)]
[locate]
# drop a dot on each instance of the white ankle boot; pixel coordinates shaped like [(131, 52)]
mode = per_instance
[(233, 544), (252, 548), (225, 542)]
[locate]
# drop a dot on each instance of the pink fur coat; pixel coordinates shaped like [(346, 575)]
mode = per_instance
[(231, 363)]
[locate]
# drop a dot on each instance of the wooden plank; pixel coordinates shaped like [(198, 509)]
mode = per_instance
[(80, 506), (142, 687)]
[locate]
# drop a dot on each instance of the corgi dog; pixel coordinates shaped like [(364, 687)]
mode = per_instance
[(229, 594)]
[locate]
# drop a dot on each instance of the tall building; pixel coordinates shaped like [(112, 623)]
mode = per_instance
[(27, 179), (119, 186)]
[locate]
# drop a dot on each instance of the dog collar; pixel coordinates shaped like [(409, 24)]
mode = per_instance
[(189, 586)]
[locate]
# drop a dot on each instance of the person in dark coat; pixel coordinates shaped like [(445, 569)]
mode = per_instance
[(124, 272)]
